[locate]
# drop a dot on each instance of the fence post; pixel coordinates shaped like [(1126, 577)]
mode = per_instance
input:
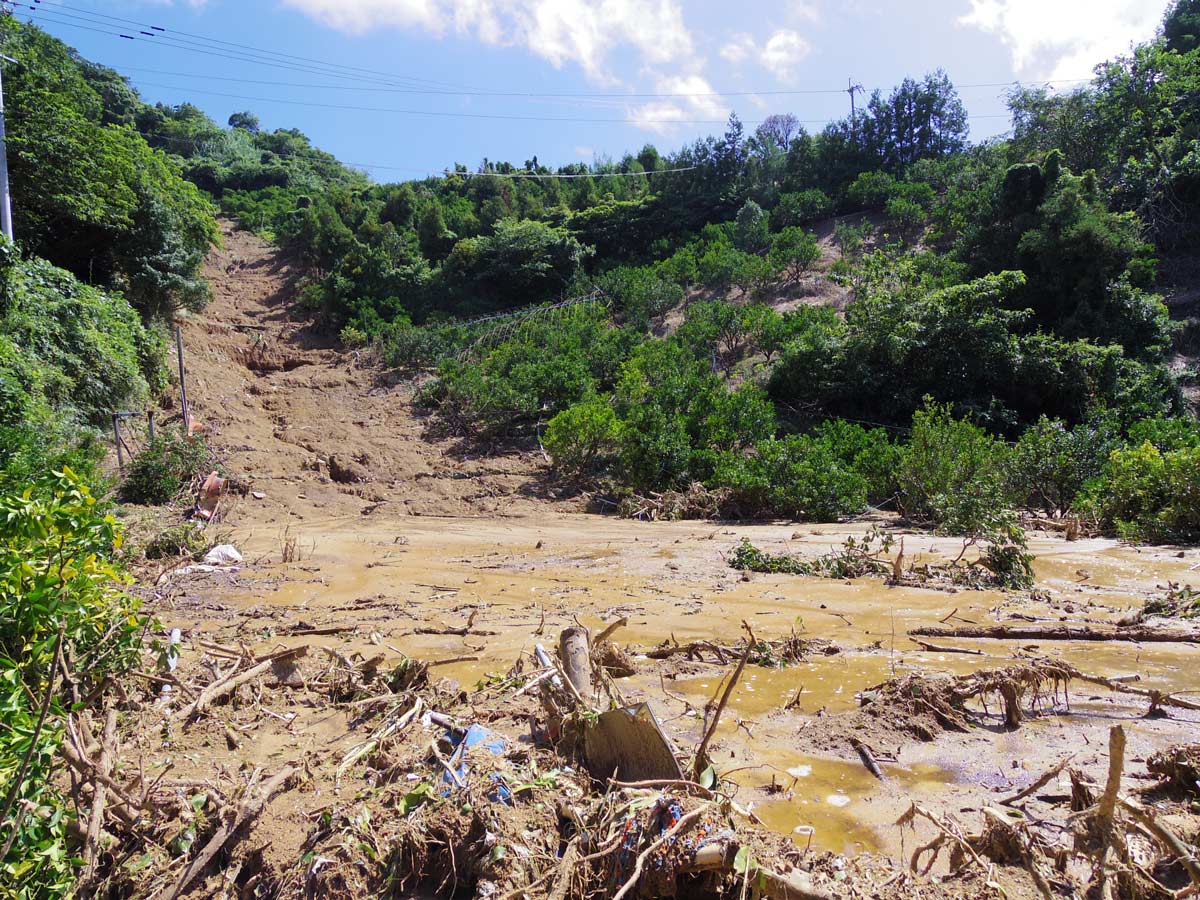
[(116, 417), (150, 423)]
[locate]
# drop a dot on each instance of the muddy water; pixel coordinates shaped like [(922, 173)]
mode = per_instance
[(529, 578)]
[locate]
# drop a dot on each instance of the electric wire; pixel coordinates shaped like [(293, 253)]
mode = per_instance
[(259, 55)]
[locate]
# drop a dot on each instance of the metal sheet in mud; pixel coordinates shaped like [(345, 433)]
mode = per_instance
[(630, 744)]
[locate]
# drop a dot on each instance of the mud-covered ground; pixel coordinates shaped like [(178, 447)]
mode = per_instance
[(423, 541)]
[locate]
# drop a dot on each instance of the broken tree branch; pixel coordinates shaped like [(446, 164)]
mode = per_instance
[(1133, 634)]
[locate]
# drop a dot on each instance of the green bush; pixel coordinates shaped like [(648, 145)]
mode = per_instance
[(1145, 494), (80, 350), (549, 364), (1051, 463), (677, 417), (166, 467), (796, 476), (582, 436), (951, 476), (642, 294), (800, 208), (870, 190), (794, 251), (59, 600)]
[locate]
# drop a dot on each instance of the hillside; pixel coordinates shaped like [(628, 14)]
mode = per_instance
[(280, 401)]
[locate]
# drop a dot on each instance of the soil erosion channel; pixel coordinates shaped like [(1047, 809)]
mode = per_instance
[(425, 551)]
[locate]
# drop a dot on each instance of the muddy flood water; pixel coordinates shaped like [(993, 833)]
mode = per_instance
[(377, 581)]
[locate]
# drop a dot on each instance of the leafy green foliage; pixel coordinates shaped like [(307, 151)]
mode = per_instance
[(951, 475), (1145, 493), (68, 347), (583, 435), (1051, 462), (89, 193), (168, 464), (546, 367), (59, 600), (794, 251)]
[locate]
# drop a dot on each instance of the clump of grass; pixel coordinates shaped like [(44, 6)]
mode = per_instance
[(179, 540)]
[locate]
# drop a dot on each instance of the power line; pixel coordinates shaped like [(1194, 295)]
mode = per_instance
[(63, 9), (196, 143), (388, 81), (205, 76)]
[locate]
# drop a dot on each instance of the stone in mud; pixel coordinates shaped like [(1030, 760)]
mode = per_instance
[(344, 470)]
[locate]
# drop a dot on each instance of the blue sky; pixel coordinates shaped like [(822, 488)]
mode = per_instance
[(422, 84)]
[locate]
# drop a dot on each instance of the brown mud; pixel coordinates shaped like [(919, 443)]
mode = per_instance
[(466, 563)]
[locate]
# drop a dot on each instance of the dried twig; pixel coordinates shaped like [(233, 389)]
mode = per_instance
[(702, 750)]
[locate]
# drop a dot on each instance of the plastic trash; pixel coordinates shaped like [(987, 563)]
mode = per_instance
[(223, 555)]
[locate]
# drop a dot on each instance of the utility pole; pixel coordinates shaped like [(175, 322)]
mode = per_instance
[(6, 224), (852, 89)]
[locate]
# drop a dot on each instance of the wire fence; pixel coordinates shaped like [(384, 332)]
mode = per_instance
[(505, 326)]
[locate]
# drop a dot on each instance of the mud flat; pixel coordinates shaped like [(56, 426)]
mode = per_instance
[(837, 725)]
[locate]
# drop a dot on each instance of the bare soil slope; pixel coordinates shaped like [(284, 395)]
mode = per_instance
[(280, 403)]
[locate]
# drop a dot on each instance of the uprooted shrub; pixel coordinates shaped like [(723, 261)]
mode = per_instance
[(998, 565), (179, 540), (168, 465)]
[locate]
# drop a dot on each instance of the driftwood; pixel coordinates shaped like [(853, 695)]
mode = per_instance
[(576, 659), (1037, 785), (248, 810), (937, 648), (868, 758), (232, 682), (723, 857), (457, 630), (701, 761), (1064, 633), (91, 844)]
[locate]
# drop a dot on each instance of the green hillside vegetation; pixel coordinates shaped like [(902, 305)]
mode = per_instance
[(1009, 285)]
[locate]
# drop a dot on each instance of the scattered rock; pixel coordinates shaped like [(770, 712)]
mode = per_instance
[(344, 470)]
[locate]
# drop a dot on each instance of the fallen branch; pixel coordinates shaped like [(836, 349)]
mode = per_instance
[(684, 820), (935, 648), (868, 758), (723, 857), (608, 630), (231, 683), (247, 811), (91, 842), (702, 751), (1037, 785), (1132, 634), (1186, 855)]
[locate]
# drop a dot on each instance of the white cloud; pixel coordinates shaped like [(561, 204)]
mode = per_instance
[(1061, 39), (784, 51), (739, 49), (585, 152), (583, 32), (780, 55), (697, 102)]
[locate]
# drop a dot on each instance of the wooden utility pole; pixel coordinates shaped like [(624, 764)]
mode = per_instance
[(183, 401), (6, 223), (852, 89)]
